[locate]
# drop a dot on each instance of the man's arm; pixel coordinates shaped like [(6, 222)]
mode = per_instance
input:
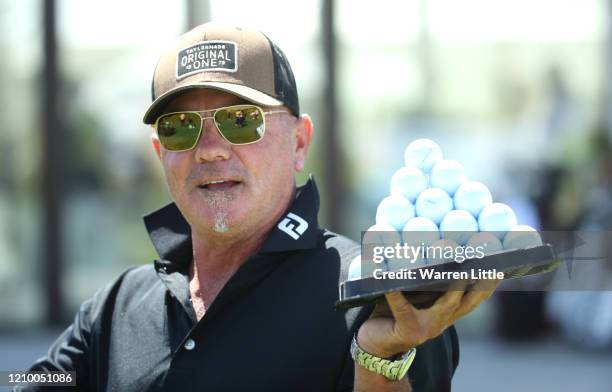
[(69, 352), (367, 381), (396, 326)]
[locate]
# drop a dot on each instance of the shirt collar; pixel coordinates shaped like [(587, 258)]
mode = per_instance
[(297, 229)]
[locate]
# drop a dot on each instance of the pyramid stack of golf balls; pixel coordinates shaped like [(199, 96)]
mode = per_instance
[(433, 195)]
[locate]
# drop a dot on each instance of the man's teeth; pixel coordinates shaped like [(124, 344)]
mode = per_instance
[(215, 182)]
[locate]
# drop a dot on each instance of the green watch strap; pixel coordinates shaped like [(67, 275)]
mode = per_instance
[(391, 369)]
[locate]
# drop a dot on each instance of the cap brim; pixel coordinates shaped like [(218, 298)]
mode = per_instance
[(245, 92)]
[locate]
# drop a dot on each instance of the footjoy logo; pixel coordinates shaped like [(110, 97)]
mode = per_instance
[(293, 225)]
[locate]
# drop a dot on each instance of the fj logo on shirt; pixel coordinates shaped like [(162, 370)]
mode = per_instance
[(207, 56), (293, 225)]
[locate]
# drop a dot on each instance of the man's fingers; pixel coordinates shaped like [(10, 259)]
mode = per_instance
[(450, 299), (403, 312), (482, 290), (381, 310)]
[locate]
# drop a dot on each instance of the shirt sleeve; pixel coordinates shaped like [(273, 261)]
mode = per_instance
[(355, 317), (69, 352), (431, 371)]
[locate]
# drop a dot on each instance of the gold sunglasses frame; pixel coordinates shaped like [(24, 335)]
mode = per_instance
[(214, 112)]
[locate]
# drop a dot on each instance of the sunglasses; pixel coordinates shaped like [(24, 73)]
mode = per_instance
[(238, 124)]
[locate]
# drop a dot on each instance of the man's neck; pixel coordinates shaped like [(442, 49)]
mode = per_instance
[(216, 258)]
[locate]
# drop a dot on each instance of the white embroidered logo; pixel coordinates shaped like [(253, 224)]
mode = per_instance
[(207, 56), (293, 225)]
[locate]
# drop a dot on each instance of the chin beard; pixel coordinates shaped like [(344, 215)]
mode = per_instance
[(219, 202), (220, 223)]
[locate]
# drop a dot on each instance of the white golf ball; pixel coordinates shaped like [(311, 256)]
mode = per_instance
[(459, 226), (497, 218), (398, 264), (472, 196), (487, 242), (442, 251), (381, 234), (433, 203), (448, 175), (361, 269), (354, 271), (394, 210), (408, 182), (422, 153), (522, 237), (420, 231)]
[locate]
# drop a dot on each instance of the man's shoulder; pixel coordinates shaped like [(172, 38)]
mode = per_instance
[(140, 275), (347, 248), (131, 283), (134, 277)]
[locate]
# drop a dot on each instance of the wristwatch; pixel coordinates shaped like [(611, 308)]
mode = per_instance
[(389, 368)]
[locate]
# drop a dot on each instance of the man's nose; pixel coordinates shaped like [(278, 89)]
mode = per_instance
[(211, 146)]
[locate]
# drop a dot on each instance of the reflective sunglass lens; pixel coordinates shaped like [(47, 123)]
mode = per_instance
[(179, 131), (241, 124)]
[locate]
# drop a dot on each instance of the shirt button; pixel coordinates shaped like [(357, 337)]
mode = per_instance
[(189, 344)]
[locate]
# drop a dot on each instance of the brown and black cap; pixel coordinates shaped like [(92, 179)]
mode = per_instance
[(238, 61)]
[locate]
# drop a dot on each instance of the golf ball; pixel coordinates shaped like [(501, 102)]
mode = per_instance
[(489, 243), (448, 175), (442, 251), (458, 225), (361, 269), (394, 210), (423, 154), (521, 237), (408, 182), (398, 264), (381, 234), (497, 218), (420, 231), (433, 203), (472, 196), (354, 271)]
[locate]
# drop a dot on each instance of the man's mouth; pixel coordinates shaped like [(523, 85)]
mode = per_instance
[(219, 185)]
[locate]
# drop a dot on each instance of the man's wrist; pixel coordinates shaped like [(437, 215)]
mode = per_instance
[(392, 369), (378, 351)]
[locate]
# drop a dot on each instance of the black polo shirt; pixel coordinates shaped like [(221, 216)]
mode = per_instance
[(273, 326)]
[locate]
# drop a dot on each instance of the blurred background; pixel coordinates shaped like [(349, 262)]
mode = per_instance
[(519, 92)]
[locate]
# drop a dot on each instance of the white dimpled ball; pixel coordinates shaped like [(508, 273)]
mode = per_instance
[(408, 182), (397, 264), (394, 210), (472, 196), (381, 234), (420, 231), (433, 203), (497, 218), (448, 175), (362, 269), (487, 242), (522, 237), (423, 154), (354, 271), (458, 225), (441, 248)]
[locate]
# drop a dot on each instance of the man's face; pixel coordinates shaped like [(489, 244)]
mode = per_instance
[(257, 178)]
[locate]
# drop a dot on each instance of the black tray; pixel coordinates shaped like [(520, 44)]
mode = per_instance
[(423, 292)]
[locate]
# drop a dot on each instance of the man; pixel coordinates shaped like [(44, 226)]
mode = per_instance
[(242, 297)]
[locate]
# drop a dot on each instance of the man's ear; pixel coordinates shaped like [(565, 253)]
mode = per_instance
[(156, 145), (303, 139)]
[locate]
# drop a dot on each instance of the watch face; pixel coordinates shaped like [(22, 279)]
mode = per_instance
[(396, 369), (406, 363)]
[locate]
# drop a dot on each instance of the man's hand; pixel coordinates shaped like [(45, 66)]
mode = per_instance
[(396, 326)]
